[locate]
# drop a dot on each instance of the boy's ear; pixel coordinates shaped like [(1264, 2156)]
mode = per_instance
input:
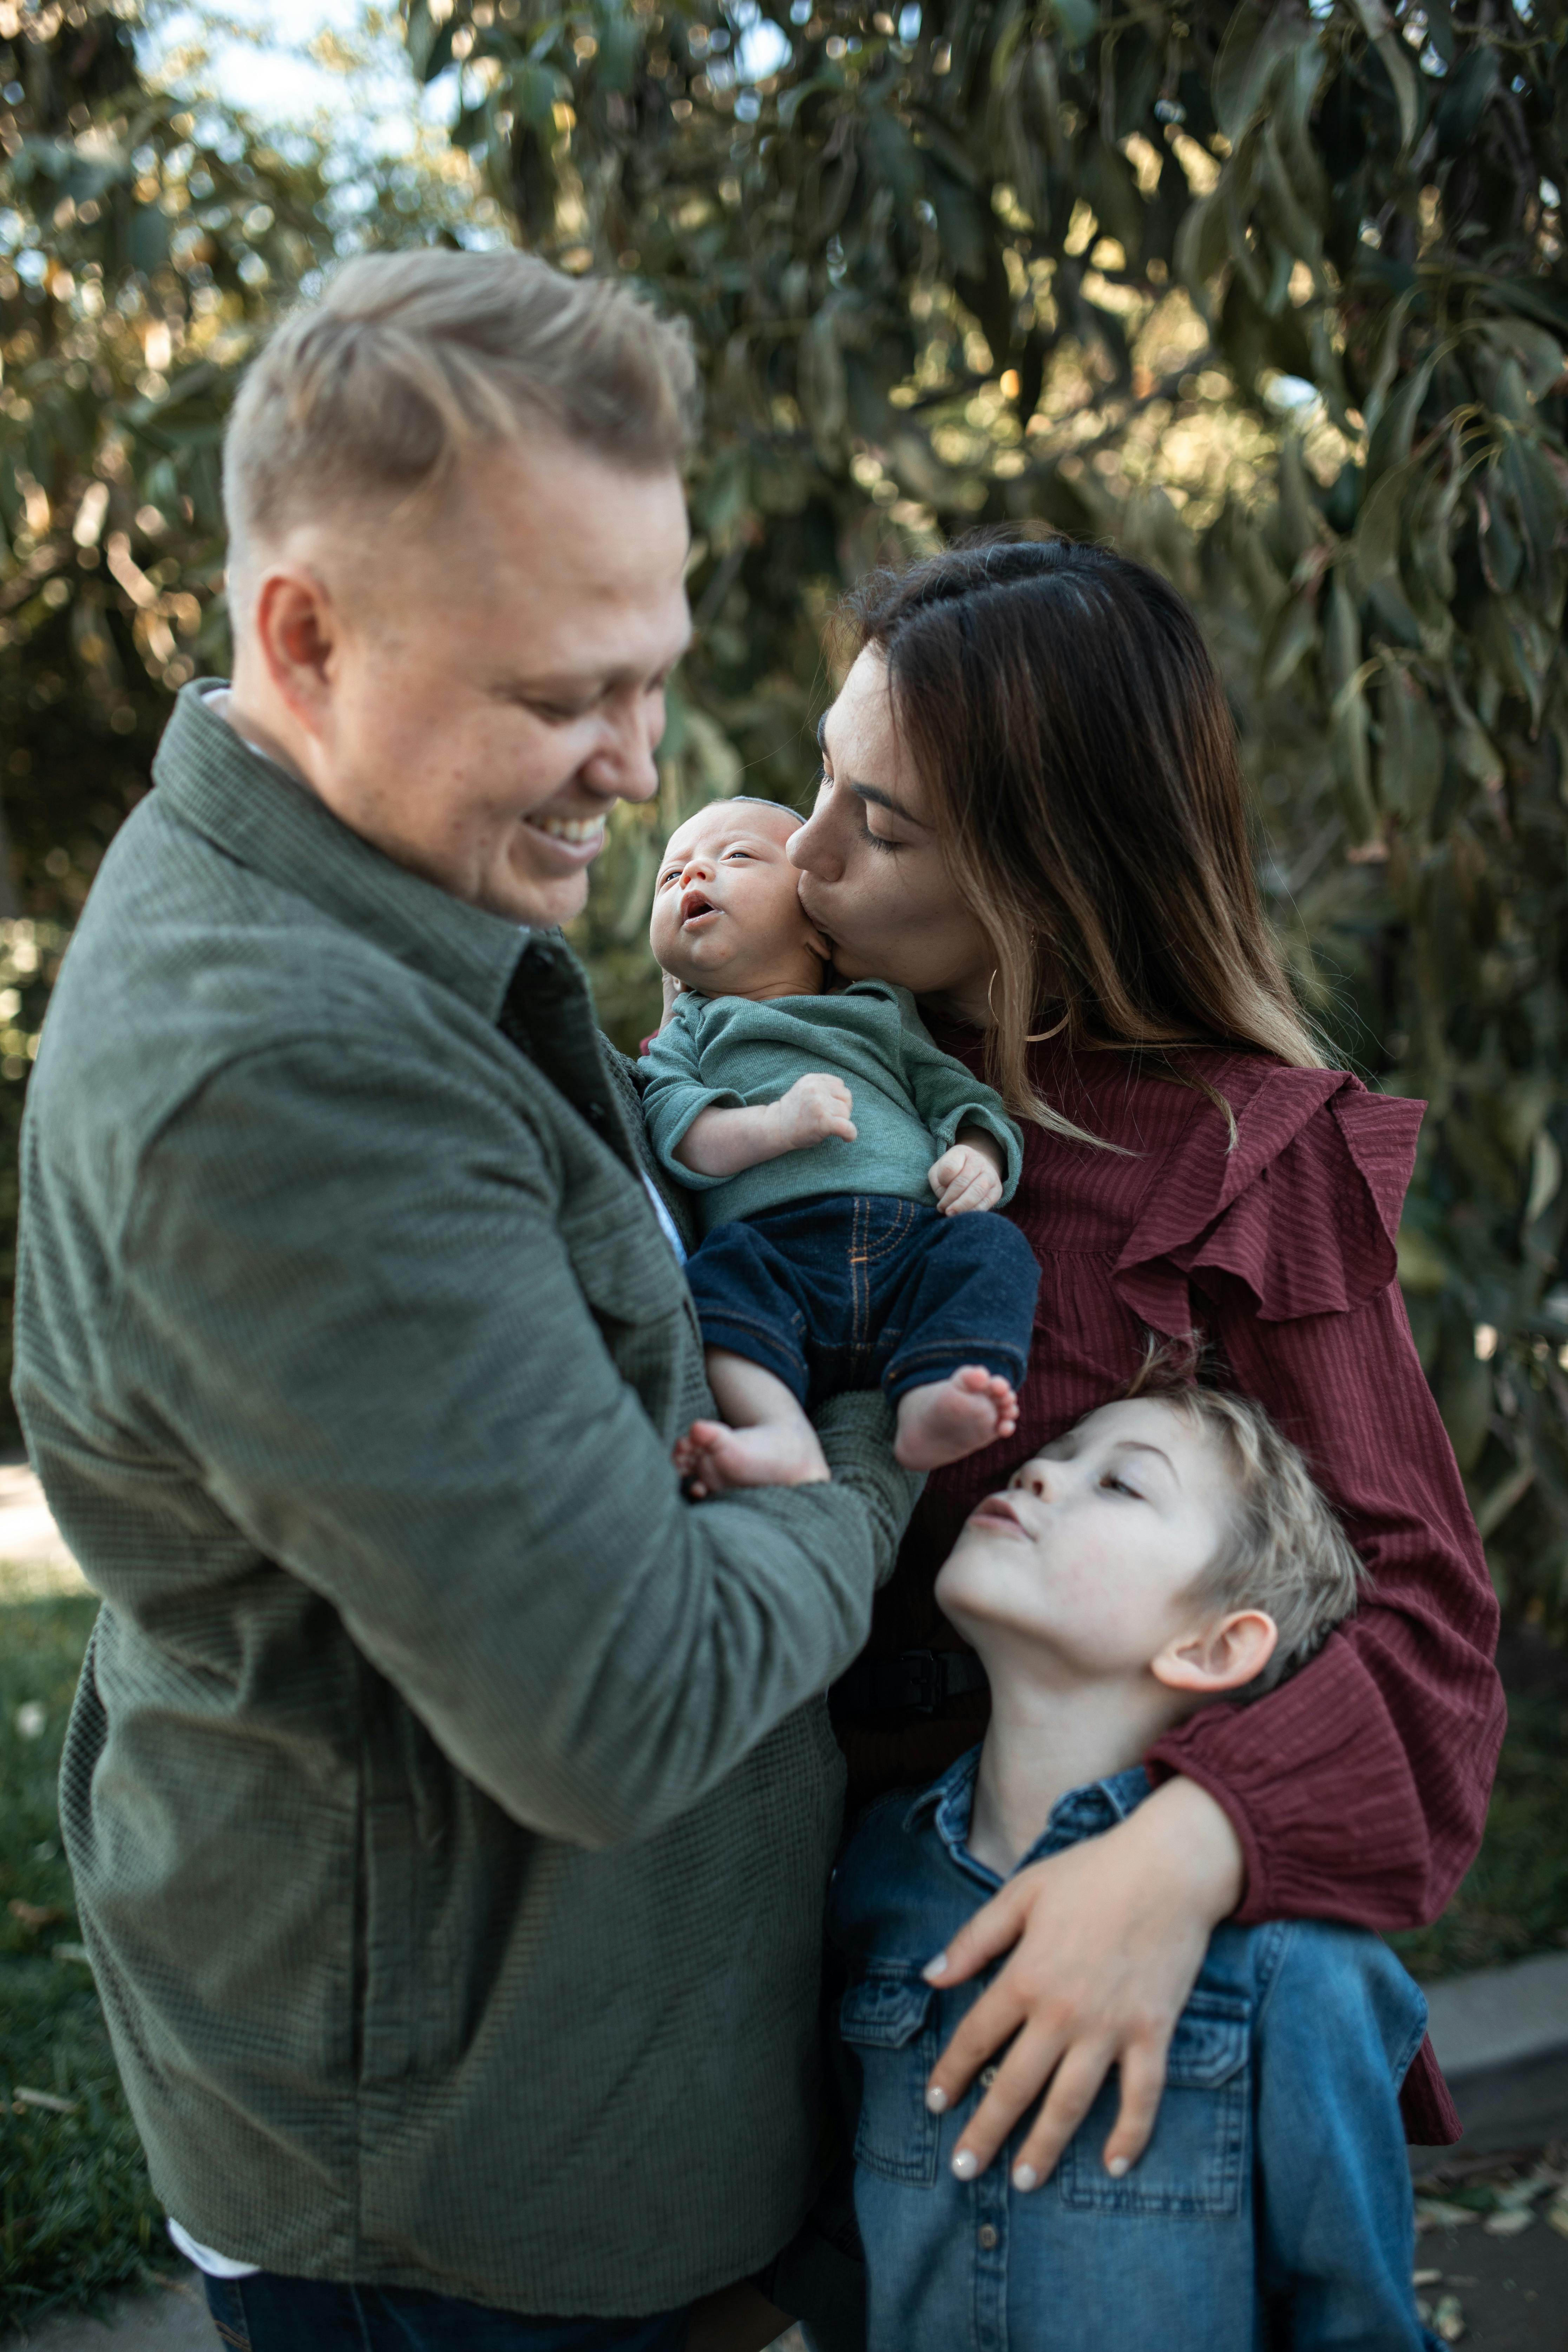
[(818, 947), (1223, 1657)]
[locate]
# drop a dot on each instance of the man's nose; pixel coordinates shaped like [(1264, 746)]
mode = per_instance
[(624, 767)]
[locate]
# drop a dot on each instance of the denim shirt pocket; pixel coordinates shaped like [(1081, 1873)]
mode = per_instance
[(1196, 2160), (887, 2018)]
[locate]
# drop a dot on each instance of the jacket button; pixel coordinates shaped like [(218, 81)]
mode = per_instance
[(988, 2076), (989, 2236)]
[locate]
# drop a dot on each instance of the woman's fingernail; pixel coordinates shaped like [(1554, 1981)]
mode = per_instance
[(1025, 2178), (965, 2163), (936, 2099), (935, 1968), (1117, 2166)]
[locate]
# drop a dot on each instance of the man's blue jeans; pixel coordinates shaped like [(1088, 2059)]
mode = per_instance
[(269, 2313)]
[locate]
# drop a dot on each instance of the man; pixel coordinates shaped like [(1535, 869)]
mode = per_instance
[(448, 1802)]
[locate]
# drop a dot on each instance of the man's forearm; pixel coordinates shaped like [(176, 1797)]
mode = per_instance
[(723, 1142)]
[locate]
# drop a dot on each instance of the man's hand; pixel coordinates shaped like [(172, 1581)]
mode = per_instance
[(970, 1175), (1109, 1937), (722, 1142), (816, 1107)]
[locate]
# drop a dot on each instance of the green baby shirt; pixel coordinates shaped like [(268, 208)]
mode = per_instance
[(909, 1097)]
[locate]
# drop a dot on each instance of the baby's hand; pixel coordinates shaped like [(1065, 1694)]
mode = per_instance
[(964, 1179), (816, 1107)]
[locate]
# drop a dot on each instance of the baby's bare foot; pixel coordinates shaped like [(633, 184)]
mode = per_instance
[(946, 1420), (714, 1459)]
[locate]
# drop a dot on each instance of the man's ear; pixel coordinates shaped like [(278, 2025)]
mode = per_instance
[(297, 633), (1223, 1657)]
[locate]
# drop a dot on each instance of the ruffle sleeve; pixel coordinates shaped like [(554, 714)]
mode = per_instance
[(1303, 1207)]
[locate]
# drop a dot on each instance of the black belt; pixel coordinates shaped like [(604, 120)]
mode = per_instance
[(917, 1682)]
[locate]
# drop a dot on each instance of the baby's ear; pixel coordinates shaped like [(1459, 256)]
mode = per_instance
[(1222, 1656), (819, 948)]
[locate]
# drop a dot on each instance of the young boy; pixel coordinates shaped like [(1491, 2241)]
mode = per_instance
[(841, 1161), (1168, 1551)]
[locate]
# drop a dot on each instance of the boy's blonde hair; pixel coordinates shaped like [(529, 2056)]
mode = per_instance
[(1285, 1552), (371, 394)]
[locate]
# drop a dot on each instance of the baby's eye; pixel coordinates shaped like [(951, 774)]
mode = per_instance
[(1115, 1486), (738, 853)]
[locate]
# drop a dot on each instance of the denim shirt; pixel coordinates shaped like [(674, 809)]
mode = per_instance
[(1272, 2204)]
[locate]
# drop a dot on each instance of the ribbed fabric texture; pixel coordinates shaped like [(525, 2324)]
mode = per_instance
[(448, 1806), (1358, 1789)]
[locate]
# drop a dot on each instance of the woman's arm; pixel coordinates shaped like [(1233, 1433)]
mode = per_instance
[(1357, 1791)]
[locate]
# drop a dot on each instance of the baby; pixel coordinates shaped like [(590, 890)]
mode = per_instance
[(841, 1162), (1168, 1551)]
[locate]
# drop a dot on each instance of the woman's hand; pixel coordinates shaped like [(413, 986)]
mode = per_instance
[(1109, 1937)]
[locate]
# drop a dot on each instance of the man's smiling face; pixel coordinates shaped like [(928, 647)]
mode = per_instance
[(727, 917), (492, 672)]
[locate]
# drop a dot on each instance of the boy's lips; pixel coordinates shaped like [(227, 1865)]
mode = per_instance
[(695, 907), (997, 1511)]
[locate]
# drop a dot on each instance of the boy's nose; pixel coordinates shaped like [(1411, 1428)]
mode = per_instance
[(1035, 1479), (696, 869)]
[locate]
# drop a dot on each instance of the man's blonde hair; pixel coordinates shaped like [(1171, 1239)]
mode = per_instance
[(1284, 1550), (372, 394)]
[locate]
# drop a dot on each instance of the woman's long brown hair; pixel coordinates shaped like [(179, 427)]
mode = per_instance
[(1059, 703)]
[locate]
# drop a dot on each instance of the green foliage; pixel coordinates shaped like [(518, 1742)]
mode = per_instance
[(1065, 265), (1514, 1898), (1275, 295), (76, 2211)]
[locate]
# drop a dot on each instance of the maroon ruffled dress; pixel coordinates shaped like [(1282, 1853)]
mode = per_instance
[(1358, 1789)]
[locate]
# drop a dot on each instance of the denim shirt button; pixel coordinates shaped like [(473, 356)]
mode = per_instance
[(989, 2236), (988, 2076)]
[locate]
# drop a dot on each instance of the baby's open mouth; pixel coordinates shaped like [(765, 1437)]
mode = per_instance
[(694, 906)]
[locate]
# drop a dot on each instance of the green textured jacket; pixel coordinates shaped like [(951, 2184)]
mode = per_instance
[(449, 1803), (910, 1098)]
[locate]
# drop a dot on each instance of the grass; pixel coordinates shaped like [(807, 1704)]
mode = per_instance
[(78, 2216)]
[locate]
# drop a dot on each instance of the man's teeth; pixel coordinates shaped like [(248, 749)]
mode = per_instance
[(575, 829)]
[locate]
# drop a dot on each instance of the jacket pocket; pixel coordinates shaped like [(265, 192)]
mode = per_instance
[(888, 2023), (1196, 2160)]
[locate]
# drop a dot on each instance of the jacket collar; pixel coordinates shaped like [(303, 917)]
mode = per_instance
[(1083, 1812), (264, 818)]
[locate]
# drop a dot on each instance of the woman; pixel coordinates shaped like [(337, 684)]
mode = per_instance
[(1031, 814)]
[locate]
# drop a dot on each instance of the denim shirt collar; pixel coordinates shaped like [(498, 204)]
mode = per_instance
[(1082, 1814)]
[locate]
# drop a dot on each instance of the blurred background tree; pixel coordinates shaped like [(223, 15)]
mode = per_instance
[(1273, 295)]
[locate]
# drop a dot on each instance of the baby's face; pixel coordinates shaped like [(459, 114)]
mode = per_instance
[(1092, 1550), (727, 917)]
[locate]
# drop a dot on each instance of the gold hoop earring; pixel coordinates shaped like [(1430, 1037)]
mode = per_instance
[(1039, 1036)]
